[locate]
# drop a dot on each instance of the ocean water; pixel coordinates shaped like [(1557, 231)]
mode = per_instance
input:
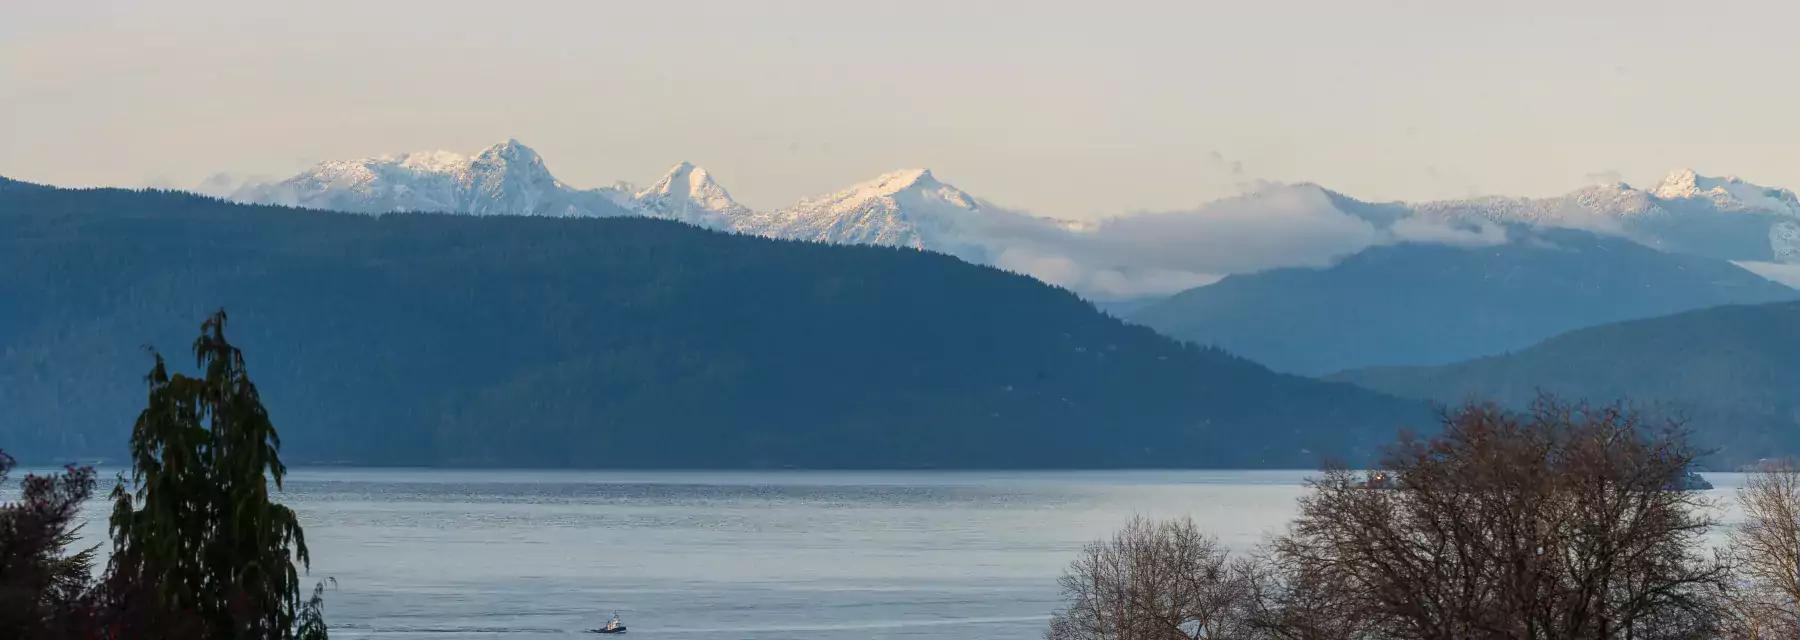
[(751, 555)]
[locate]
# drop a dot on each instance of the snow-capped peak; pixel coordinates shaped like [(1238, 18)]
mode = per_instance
[(905, 183), (896, 181), (1728, 193), (685, 179), (505, 179), (901, 208), (511, 154), (1681, 214), (433, 161), (689, 193), (1680, 183)]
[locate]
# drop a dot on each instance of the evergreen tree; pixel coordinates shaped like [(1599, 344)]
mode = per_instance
[(44, 589), (200, 550)]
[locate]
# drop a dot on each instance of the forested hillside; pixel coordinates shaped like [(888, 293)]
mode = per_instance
[(1733, 372), (1427, 304), (623, 342)]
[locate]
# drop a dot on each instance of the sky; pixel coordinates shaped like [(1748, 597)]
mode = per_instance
[(1075, 109)]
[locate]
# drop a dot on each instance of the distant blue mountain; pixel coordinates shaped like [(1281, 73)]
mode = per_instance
[(1419, 304), (1732, 372)]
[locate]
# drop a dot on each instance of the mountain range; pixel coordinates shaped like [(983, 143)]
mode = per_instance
[(1418, 303), (1120, 258), (616, 341), (505, 179), (1725, 218), (588, 297), (908, 208), (1733, 372)]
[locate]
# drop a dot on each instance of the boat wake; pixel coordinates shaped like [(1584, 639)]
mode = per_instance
[(364, 630), (871, 625)]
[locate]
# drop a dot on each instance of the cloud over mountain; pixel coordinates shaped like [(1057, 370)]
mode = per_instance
[(1267, 226), (1271, 227)]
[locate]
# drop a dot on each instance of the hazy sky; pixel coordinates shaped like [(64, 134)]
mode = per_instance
[(1075, 109)]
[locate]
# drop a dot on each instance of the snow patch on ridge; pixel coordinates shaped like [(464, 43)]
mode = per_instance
[(1271, 225)]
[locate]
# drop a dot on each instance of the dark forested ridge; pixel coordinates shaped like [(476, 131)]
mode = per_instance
[(461, 340), (1420, 304), (1733, 372)]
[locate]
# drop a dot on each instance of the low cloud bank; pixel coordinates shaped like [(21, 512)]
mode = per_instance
[(1156, 254)]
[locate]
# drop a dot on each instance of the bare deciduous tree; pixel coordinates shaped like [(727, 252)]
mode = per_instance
[(1293, 601), (1568, 522), (1154, 581), (1766, 551)]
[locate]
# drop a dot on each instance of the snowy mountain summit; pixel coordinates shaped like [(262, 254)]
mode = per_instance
[(689, 194), (1729, 193), (903, 208), (908, 208), (505, 179), (1275, 226), (1726, 218)]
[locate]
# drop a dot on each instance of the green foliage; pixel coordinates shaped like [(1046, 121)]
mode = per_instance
[(198, 526), (503, 341)]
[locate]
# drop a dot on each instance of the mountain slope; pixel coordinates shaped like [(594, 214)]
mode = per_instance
[(1734, 371), (6, 183), (534, 341), (1435, 304), (908, 208), (1122, 258), (688, 193), (1724, 218), (505, 179)]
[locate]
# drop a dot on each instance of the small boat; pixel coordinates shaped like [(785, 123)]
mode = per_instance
[(1691, 481), (611, 627)]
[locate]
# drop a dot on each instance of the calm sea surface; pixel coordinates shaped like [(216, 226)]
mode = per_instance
[(762, 555)]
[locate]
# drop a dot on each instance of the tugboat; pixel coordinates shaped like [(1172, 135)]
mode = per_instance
[(1382, 480), (1691, 481), (611, 627)]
